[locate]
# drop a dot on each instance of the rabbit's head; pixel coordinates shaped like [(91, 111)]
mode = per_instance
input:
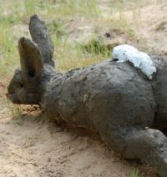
[(24, 88), (26, 84)]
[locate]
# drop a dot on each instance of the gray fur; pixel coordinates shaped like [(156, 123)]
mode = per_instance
[(39, 34), (113, 99)]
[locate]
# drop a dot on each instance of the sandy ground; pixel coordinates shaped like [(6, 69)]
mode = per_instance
[(152, 27), (32, 146)]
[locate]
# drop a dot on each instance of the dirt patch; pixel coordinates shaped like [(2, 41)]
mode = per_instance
[(152, 28), (31, 146)]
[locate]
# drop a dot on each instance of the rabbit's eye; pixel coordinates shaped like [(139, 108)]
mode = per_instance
[(31, 73), (21, 84)]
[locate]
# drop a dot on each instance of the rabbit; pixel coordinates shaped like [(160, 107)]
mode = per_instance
[(110, 98)]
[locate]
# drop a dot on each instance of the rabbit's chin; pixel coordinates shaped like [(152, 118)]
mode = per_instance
[(13, 98), (26, 98)]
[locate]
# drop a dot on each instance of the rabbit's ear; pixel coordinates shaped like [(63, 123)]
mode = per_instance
[(40, 36), (30, 59)]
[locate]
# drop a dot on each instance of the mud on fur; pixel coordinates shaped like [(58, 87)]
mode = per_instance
[(113, 99)]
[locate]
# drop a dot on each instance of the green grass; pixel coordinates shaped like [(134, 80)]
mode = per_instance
[(75, 8), (97, 47), (7, 48), (135, 173), (17, 13), (15, 110), (58, 15)]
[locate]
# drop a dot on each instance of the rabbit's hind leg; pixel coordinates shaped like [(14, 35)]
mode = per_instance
[(148, 145)]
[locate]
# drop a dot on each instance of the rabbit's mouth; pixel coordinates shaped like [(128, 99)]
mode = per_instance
[(8, 95), (22, 98), (12, 98)]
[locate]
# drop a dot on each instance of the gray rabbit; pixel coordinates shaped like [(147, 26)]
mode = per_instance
[(113, 99)]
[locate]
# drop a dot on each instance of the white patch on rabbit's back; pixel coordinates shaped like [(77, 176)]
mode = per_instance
[(139, 59)]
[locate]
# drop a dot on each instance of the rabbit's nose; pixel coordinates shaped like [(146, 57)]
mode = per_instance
[(7, 95)]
